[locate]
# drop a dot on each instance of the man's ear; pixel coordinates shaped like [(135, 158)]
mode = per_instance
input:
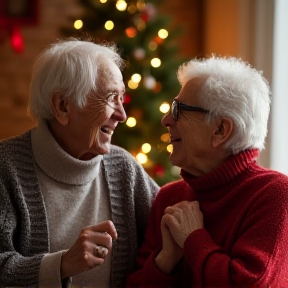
[(222, 132), (61, 108)]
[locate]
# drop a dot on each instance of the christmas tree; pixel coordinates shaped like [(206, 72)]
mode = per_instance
[(150, 47)]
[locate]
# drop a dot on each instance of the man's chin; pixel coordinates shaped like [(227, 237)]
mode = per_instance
[(104, 149)]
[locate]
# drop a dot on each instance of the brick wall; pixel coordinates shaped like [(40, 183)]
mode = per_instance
[(15, 69)]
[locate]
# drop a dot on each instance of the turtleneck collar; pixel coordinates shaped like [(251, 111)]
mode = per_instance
[(58, 164), (223, 174)]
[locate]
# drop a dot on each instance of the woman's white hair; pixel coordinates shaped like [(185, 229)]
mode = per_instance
[(69, 67), (233, 89)]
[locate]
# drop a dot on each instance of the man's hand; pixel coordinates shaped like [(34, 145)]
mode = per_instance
[(182, 219), (89, 250)]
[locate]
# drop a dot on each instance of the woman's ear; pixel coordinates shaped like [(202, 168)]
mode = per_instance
[(222, 132), (61, 108)]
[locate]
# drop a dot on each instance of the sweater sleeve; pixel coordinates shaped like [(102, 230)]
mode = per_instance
[(15, 268), (259, 256), (23, 230), (49, 275)]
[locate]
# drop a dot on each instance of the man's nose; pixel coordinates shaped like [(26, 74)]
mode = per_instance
[(119, 113)]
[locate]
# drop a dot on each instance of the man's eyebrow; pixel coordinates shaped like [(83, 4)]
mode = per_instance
[(115, 91)]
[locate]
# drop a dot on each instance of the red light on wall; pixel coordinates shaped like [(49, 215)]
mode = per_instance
[(17, 40)]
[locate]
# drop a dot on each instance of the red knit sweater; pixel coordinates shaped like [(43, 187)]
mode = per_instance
[(244, 242)]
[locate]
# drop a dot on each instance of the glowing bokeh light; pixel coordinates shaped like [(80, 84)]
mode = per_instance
[(163, 33), (152, 45), (131, 32), (136, 78), (141, 158), (149, 82), (146, 148), (165, 137), (164, 107), (109, 25), (155, 62), (132, 9), (141, 25), (141, 5), (121, 5), (132, 84), (170, 148), (131, 122), (78, 24)]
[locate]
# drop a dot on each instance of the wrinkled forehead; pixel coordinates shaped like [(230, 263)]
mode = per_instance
[(110, 76)]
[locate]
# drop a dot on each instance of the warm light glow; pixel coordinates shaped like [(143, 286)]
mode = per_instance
[(141, 5), (155, 62), (170, 148), (78, 24), (165, 137), (146, 148), (131, 32), (132, 84), (139, 53), (152, 45), (132, 9), (131, 122), (164, 107), (103, 1), (109, 25), (136, 78), (121, 5), (141, 158), (149, 82), (141, 25), (163, 33)]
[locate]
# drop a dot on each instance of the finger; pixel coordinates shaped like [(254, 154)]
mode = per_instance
[(169, 210), (100, 251), (96, 238), (92, 261), (170, 221), (105, 226), (195, 204)]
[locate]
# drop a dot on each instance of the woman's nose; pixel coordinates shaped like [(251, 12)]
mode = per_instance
[(167, 120)]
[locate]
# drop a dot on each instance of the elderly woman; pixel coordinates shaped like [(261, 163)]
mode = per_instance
[(225, 223), (73, 207)]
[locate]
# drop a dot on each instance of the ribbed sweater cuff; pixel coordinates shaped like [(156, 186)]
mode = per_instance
[(197, 248), (156, 278), (49, 275)]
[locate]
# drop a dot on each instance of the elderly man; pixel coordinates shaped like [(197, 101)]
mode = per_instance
[(225, 224), (73, 207)]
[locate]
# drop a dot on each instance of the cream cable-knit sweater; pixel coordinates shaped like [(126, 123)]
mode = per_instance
[(24, 237), (75, 193)]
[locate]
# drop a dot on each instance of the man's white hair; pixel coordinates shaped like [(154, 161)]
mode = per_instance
[(69, 67), (233, 89)]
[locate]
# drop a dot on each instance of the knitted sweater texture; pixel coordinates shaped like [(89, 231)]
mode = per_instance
[(24, 234), (244, 242)]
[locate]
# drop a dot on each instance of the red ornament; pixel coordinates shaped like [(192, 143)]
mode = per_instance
[(159, 170), (17, 40), (158, 40), (127, 99), (144, 16)]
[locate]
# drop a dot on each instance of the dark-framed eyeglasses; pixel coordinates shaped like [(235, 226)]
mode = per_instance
[(177, 106)]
